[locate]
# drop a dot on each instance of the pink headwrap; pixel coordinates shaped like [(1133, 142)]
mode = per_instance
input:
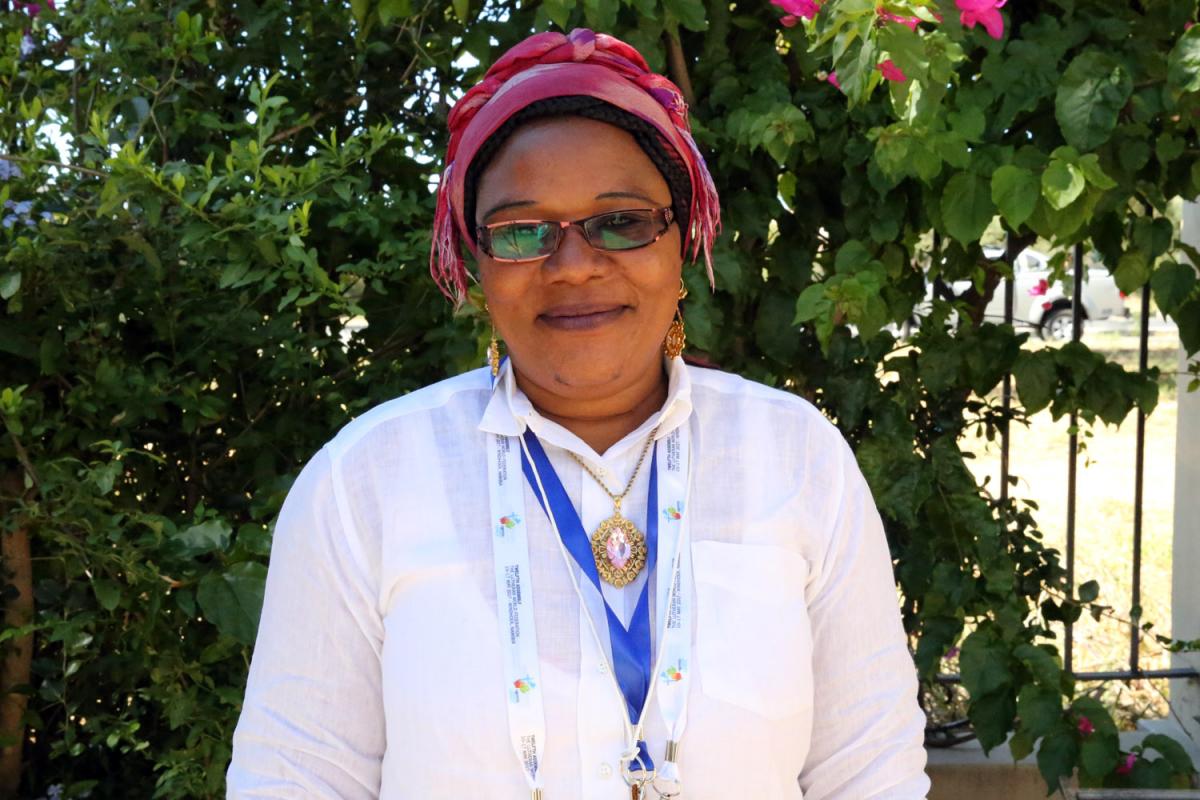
[(555, 65)]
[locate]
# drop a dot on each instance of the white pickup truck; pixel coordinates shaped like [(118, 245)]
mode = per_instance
[(1045, 305)]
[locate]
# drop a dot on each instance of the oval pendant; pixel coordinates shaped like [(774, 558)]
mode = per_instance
[(619, 549)]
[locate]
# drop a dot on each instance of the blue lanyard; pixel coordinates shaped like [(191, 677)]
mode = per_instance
[(631, 651)]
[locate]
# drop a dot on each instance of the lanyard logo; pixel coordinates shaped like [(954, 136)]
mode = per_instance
[(507, 523), (522, 686)]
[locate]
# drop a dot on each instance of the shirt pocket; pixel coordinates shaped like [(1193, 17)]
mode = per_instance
[(753, 638)]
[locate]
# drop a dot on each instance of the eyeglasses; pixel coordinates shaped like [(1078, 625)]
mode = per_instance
[(532, 239)]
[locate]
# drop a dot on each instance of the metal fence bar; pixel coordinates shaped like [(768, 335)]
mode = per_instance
[(1072, 458), (1135, 610), (952, 733), (1010, 258)]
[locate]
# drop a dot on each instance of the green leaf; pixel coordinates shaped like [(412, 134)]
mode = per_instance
[(391, 9), (969, 123), (967, 207), (772, 327), (851, 256), (1062, 183), (787, 188), (1089, 591), (1089, 165), (1187, 317), (992, 717), (1153, 235), (232, 600), (559, 11), (1099, 755), (10, 282), (1183, 64), (1132, 272), (1021, 743), (1093, 90), (205, 537), (1095, 711), (359, 8), (811, 304), (983, 663), (1174, 752), (1057, 756), (1015, 192), (1037, 379), (690, 13), (108, 593), (462, 10), (256, 539), (1042, 663), (1040, 709), (1172, 283)]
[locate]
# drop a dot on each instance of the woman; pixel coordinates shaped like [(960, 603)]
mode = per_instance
[(591, 570)]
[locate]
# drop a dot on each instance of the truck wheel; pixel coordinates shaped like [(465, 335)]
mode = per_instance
[(1056, 325)]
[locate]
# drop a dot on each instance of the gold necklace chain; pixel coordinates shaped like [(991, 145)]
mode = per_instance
[(617, 498)]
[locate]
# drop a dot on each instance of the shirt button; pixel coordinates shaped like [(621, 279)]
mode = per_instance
[(602, 668), (605, 771)]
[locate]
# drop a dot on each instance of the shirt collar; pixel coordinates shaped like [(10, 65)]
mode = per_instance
[(509, 413)]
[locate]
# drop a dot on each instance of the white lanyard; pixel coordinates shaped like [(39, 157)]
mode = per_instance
[(514, 609), (672, 673)]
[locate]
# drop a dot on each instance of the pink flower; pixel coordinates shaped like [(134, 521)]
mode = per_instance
[(798, 8), (891, 71), (789, 20), (983, 12), (833, 78), (1086, 728), (887, 16), (1127, 767), (1040, 288)]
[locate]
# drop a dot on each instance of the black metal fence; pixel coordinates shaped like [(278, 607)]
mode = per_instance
[(958, 731)]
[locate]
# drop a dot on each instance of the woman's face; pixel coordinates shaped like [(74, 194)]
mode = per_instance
[(581, 323)]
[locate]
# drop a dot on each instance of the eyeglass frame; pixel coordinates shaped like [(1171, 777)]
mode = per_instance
[(667, 211)]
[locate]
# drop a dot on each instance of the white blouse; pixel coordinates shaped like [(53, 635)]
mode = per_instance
[(378, 669)]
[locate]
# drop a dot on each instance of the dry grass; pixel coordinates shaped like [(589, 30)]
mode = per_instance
[(1104, 520)]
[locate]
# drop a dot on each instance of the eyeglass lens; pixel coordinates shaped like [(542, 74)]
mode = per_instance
[(619, 230)]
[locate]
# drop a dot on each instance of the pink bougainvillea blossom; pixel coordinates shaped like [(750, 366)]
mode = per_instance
[(1040, 288), (887, 16), (891, 71), (806, 9), (982, 12), (1086, 728), (1126, 766), (833, 78), (789, 20), (33, 9)]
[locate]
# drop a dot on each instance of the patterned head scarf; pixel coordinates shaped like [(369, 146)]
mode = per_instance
[(568, 74)]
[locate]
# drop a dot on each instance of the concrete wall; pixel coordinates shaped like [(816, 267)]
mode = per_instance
[(1185, 583)]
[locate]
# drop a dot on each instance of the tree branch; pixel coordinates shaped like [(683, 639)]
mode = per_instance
[(677, 66), (44, 162)]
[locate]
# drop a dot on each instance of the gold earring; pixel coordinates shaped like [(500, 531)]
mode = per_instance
[(493, 351), (494, 354), (676, 338)]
